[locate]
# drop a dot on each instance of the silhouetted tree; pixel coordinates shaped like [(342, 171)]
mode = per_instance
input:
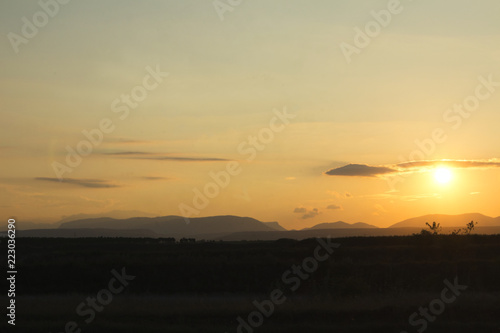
[(187, 240)]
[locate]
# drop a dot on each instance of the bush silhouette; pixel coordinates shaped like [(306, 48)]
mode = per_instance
[(435, 228), (469, 228)]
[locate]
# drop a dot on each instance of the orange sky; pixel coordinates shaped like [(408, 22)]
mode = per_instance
[(261, 109)]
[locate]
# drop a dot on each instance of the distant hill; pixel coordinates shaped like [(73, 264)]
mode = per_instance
[(27, 225), (449, 220), (22, 224), (341, 225), (175, 226), (81, 233), (116, 214), (275, 226)]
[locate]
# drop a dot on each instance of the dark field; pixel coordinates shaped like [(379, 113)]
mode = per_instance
[(372, 284)]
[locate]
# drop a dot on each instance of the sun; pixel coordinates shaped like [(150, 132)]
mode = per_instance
[(443, 175)]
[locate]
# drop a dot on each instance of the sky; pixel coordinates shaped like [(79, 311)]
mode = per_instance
[(295, 111)]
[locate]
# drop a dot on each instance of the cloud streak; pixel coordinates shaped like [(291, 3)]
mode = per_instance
[(139, 155), (92, 183), (154, 178)]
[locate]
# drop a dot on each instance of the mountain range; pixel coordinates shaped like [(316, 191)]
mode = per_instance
[(449, 220), (228, 227)]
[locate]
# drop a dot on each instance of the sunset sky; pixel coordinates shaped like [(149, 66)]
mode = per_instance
[(335, 131)]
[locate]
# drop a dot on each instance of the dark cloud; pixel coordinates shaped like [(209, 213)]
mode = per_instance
[(333, 206), (308, 213), (360, 170), (311, 214), (92, 183)]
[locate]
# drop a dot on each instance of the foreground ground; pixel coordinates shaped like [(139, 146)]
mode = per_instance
[(374, 284)]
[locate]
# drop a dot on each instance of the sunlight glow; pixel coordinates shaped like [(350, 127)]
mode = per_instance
[(443, 175)]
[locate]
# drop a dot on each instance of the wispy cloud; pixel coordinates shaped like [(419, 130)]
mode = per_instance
[(92, 183), (126, 153), (154, 178), (335, 207), (126, 141), (338, 195), (141, 155), (183, 159), (459, 164)]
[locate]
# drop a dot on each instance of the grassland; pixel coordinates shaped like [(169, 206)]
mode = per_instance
[(368, 284)]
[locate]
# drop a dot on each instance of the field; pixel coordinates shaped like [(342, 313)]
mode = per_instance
[(363, 284)]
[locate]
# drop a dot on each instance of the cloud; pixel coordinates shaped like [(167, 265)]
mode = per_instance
[(92, 183), (311, 214), (338, 195), (125, 141), (184, 159), (308, 213), (459, 164), (333, 206), (364, 170), (140, 155), (360, 170), (126, 153), (154, 178)]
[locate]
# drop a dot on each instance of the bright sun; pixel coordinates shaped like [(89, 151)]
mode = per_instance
[(443, 175)]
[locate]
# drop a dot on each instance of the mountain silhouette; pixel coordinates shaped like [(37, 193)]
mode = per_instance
[(449, 220), (341, 225), (176, 226), (230, 227), (116, 214), (275, 226)]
